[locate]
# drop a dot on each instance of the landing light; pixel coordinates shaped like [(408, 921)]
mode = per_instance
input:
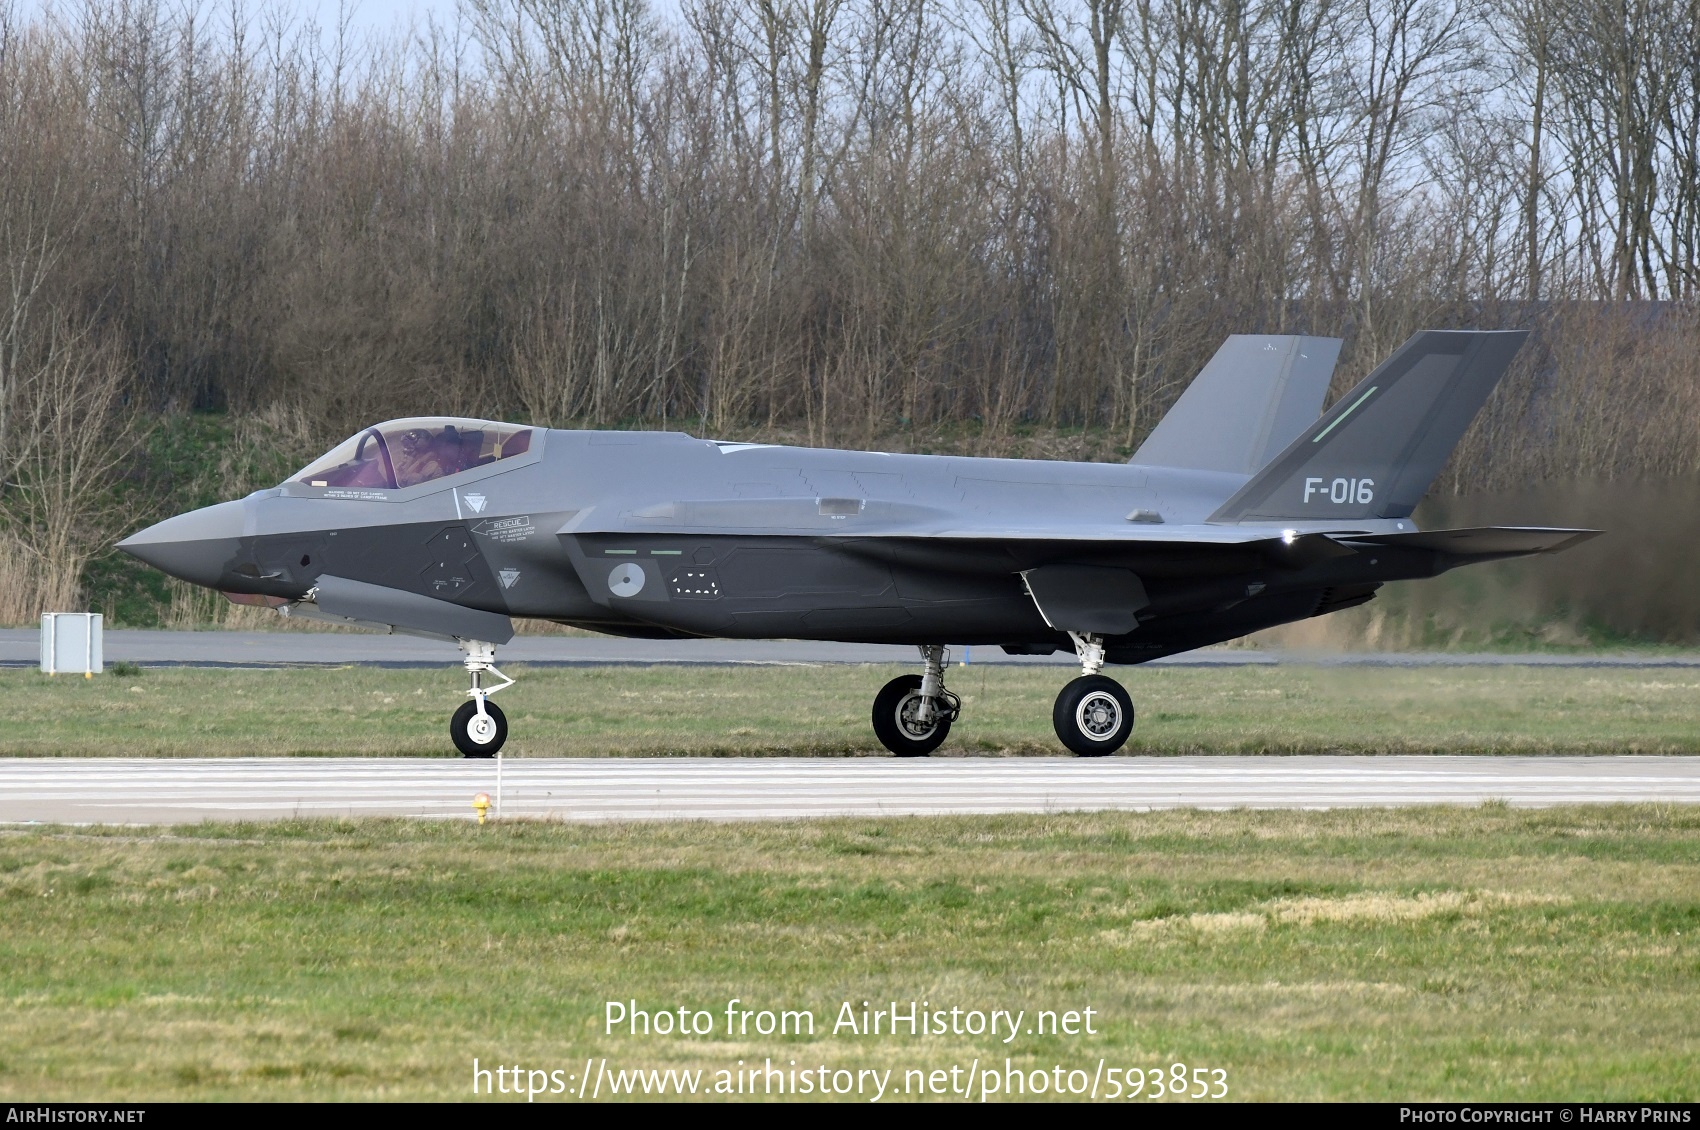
[(1289, 536)]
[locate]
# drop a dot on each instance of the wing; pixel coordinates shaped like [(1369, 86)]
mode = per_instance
[(1177, 556)]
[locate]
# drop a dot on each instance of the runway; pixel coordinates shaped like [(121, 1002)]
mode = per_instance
[(20, 647), (143, 791)]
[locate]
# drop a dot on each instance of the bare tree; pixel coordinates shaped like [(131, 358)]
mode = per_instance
[(70, 436)]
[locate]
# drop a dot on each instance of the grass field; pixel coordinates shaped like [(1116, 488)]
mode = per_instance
[(824, 710), (1418, 953)]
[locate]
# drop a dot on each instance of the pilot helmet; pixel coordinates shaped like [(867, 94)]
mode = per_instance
[(416, 441)]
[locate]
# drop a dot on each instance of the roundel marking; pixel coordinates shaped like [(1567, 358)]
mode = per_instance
[(626, 579)]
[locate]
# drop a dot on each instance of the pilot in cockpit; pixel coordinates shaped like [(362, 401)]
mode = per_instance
[(425, 454), (405, 453)]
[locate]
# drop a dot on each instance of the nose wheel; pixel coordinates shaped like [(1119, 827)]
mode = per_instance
[(478, 735), (479, 727)]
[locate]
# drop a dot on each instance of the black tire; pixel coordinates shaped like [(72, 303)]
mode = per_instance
[(460, 729), (899, 733), (1093, 716)]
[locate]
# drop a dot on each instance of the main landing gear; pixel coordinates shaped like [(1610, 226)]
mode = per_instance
[(913, 713), (1093, 715), (479, 727)]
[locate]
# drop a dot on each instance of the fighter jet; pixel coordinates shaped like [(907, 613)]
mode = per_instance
[(1244, 509)]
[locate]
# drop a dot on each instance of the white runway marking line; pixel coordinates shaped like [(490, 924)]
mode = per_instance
[(135, 790)]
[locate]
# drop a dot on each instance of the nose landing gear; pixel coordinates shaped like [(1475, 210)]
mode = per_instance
[(479, 727), (913, 713), (1093, 715)]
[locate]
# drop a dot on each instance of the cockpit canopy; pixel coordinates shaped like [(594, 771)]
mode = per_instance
[(405, 453)]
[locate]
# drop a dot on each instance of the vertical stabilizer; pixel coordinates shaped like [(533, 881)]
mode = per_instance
[(1379, 448), (1252, 400)]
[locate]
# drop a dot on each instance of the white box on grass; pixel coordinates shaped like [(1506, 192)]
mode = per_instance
[(70, 642)]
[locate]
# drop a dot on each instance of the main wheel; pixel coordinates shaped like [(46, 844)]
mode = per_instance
[(475, 736), (895, 724), (1093, 716)]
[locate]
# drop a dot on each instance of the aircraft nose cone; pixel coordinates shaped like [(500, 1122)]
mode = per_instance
[(195, 546)]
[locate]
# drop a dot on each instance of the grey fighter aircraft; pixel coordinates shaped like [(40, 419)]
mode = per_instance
[(1242, 510)]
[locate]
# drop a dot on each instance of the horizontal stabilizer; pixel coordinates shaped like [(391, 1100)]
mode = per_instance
[(1257, 394), (1486, 541), (1376, 452)]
